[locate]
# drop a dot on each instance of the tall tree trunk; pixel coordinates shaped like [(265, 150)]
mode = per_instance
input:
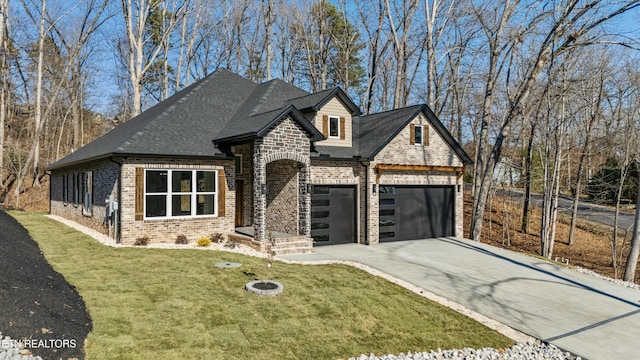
[(527, 180), (38, 112), (634, 252), (583, 157), (267, 15), (4, 78)]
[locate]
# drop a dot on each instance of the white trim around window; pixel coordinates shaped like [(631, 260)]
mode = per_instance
[(334, 127), (180, 193), (418, 137)]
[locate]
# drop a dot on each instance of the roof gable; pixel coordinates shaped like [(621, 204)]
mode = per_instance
[(377, 130), (315, 101)]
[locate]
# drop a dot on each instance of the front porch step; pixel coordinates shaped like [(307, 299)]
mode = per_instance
[(292, 245), (285, 244)]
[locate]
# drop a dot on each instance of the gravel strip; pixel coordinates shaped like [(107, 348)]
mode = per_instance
[(11, 350), (529, 351), (619, 282)]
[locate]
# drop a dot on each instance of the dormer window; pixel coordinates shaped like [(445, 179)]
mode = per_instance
[(334, 127)]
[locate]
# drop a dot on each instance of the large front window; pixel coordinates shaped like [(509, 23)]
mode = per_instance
[(180, 193)]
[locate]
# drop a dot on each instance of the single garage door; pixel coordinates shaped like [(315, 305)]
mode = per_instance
[(333, 214), (416, 212)]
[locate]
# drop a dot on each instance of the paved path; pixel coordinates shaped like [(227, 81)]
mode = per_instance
[(587, 316)]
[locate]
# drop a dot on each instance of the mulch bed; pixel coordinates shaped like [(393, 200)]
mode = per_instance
[(36, 302)]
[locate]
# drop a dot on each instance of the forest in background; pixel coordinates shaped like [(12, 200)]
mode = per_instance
[(543, 95)]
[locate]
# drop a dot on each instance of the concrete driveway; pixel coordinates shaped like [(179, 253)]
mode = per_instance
[(587, 316)]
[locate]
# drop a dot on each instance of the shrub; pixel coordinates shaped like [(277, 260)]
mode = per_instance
[(216, 238), (142, 241), (182, 240), (204, 241)]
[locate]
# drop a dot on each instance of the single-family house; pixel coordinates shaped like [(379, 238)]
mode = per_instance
[(266, 163)]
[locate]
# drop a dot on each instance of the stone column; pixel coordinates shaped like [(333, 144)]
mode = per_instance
[(304, 218), (259, 197)]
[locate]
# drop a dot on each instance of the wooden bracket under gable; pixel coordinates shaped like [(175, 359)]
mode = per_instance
[(381, 168)]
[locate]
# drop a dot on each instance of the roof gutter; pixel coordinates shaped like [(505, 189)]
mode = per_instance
[(365, 164)]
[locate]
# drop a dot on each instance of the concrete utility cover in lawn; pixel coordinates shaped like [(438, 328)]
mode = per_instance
[(587, 316)]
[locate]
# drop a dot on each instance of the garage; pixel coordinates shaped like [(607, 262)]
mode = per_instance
[(410, 212), (333, 214)]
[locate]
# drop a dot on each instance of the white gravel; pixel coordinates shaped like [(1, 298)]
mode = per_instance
[(12, 350)]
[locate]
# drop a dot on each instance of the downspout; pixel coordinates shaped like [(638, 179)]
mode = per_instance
[(366, 201), (116, 226), (48, 173)]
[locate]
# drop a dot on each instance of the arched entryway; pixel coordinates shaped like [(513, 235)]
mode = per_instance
[(282, 200), (283, 196)]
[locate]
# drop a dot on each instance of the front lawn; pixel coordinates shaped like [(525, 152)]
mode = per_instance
[(175, 304)]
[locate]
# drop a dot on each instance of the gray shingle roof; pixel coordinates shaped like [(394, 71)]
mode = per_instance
[(221, 105), (371, 133), (313, 102), (182, 125), (224, 108)]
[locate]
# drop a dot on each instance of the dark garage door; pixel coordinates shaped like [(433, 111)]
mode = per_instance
[(416, 212), (333, 214)]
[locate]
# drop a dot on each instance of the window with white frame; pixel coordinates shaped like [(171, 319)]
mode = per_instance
[(180, 193), (418, 135), (334, 126)]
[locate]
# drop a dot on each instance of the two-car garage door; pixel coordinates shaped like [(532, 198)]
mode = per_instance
[(406, 212), (416, 212)]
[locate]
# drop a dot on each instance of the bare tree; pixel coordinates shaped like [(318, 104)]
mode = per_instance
[(74, 41), (400, 31), (375, 46), (563, 29), (634, 252), (4, 79), (594, 112), (144, 47)]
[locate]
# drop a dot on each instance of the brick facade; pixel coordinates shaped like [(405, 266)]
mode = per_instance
[(166, 230), (246, 177), (275, 172), (438, 152), (282, 196), (104, 182)]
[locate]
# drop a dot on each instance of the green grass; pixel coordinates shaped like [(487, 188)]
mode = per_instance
[(171, 304)]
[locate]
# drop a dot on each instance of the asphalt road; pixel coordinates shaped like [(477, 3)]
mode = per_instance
[(588, 211)]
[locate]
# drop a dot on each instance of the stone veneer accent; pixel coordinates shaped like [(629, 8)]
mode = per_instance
[(285, 141)]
